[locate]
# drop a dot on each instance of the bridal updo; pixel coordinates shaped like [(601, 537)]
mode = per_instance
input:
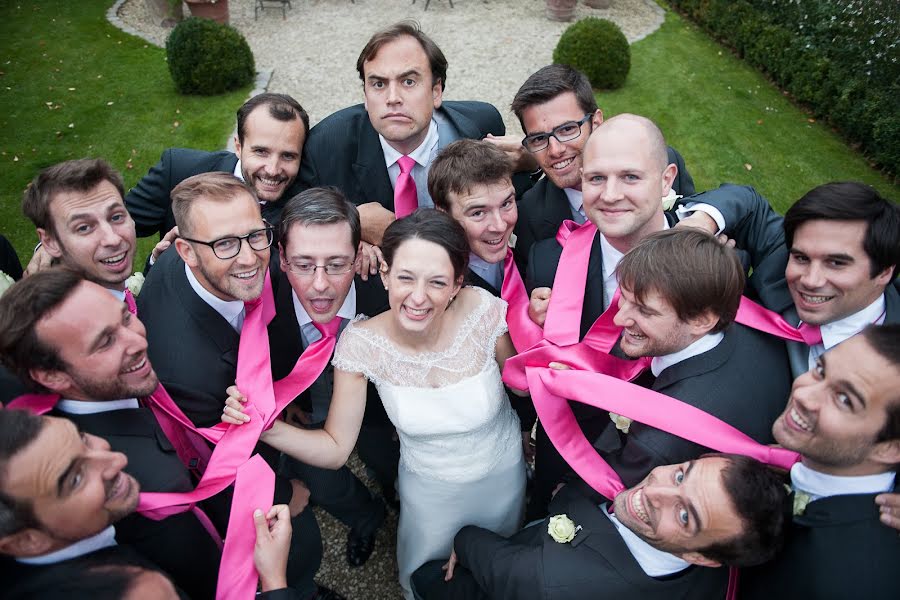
[(430, 225)]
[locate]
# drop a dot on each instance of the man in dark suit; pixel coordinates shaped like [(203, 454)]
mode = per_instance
[(717, 510), (359, 149), (313, 284), (843, 416), (193, 306), (69, 336), (557, 110), (270, 133), (831, 261)]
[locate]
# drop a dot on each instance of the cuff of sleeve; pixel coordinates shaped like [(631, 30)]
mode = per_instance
[(712, 211)]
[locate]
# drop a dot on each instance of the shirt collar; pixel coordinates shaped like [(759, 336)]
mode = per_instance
[(346, 311), (575, 198), (704, 344), (490, 272), (611, 256), (653, 562), (82, 407), (422, 154), (237, 170), (822, 485), (229, 309), (104, 539), (119, 294), (838, 331)]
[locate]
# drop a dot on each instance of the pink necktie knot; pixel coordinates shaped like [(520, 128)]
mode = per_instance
[(406, 164), (330, 328), (811, 334), (130, 302)]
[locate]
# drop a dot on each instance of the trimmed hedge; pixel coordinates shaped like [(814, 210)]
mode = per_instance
[(841, 58), (598, 48), (208, 58)]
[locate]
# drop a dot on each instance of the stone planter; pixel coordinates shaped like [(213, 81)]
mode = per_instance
[(597, 3), (561, 10), (217, 10), (165, 12)]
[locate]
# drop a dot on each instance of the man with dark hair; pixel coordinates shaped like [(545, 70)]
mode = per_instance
[(67, 336), (365, 150), (314, 284), (716, 510), (557, 110), (843, 416), (271, 129), (831, 261)]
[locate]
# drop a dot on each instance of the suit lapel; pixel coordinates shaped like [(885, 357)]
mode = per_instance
[(465, 127), (369, 168), (285, 341), (594, 291), (698, 365), (473, 278), (556, 209), (892, 303)]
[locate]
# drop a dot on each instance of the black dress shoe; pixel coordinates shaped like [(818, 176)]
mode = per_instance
[(359, 548), (324, 593)]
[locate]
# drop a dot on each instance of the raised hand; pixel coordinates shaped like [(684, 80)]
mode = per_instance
[(234, 407)]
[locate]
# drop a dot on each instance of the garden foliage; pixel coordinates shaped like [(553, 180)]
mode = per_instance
[(208, 58), (598, 48)]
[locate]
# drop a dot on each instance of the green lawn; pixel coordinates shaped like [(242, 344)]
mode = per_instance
[(72, 85), (729, 123)]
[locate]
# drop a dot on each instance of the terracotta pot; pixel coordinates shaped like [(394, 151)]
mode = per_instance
[(561, 10), (597, 3), (206, 9)]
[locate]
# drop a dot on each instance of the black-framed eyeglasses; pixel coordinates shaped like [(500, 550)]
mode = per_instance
[(229, 247), (566, 132), (332, 269)]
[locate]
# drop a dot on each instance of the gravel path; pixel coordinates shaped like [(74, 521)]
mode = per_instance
[(313, 55)]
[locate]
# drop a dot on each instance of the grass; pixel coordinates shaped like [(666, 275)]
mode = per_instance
[(730, 124), (72, 85)]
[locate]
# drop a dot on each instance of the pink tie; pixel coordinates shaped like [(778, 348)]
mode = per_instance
[(129, 300), (524, 332), (406, 200)]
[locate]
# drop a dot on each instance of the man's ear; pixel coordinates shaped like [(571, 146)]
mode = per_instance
[(49, 242), (703, 323), (26, 543), (886, 453), (695, 558), (668, 178), (437, 93), (186, 252), (237, 145), (596, 119), (885, 277), (55, 381)]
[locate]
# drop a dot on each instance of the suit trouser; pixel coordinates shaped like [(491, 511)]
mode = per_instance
[(305, 554), (428, 583), (378, 449)]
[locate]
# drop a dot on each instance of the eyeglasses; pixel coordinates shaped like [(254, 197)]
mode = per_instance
[(566, 132), (229, 247), (332, 269)]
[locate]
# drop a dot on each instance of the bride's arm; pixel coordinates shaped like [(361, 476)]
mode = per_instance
[(504, 350)]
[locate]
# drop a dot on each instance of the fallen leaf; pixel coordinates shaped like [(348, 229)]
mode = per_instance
[(811, 120), (71, 89), (110, 103), (748, 166), (71, 125), (15, 159), (176, 124), (759, 122)]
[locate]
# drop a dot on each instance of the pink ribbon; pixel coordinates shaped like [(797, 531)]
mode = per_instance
[(406, 199), (129, 300), (524, 332)]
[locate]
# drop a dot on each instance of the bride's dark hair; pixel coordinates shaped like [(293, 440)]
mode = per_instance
[(430, 225)]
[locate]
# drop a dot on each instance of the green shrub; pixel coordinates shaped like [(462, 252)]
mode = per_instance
[(598, 48), (208, 58)]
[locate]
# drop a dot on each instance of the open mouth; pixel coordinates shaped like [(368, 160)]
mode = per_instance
[(137, 367), (799, 421), (635, 336), (637, 506), (321, 305), (270, 181), (562, 164), (119, 489), (416, 314), (810, 299), (115, 261), (247, 274)]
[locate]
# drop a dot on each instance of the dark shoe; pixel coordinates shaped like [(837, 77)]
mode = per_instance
[(359, 548), (324, 593)]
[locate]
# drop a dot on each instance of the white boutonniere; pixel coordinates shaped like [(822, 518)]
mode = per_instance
[(135, 283), (6, 282), (622, 423), (671, 198), (801, 499), (562, 529), (512, 240)]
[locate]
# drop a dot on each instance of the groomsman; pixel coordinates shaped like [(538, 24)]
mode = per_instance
[(558, 111), (831, 261), (64, 335), (651, 541), (843, 416), (315, 284)]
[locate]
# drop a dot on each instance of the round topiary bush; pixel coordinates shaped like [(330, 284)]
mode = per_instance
[(208, 58), (598, 48)]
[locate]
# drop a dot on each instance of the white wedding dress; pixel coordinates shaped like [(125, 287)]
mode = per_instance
[(461, 459)]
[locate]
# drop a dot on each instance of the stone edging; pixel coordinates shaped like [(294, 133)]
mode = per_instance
[(658, 10), (261, 84)]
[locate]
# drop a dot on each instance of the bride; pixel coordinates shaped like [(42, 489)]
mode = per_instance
[(435, 358)]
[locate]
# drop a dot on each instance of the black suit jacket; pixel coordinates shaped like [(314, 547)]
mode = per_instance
[(343, 149), (596, 564), (836, 549), (544, 207), (178, 544), (150, 201)]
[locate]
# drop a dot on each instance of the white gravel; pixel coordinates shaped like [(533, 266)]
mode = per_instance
[(491, 45)]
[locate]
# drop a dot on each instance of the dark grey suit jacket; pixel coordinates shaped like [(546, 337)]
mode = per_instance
[(343, 149), (544, 207), (150, 202)]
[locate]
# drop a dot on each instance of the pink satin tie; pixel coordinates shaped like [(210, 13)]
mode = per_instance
[(406, 199), (524, 332), (129, 300)]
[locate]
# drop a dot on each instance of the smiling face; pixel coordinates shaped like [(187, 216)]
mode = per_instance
[(488, 214), (75, 485), (270, 153), (828, 272), (837, 409), (238, 278), (420, 284), (651, 326), (400, 94), (92, 233), (682, 508), (624, 181), (103, 346), (320, 294), (561, 161)]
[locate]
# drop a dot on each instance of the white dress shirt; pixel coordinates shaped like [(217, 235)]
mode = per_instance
[(576, 204), (820, 485), (490, 272), (423, 155), (654, 563), (231, 310), (104, 539), (611, 258), (836, 332), (709, 341), (82, 407)]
